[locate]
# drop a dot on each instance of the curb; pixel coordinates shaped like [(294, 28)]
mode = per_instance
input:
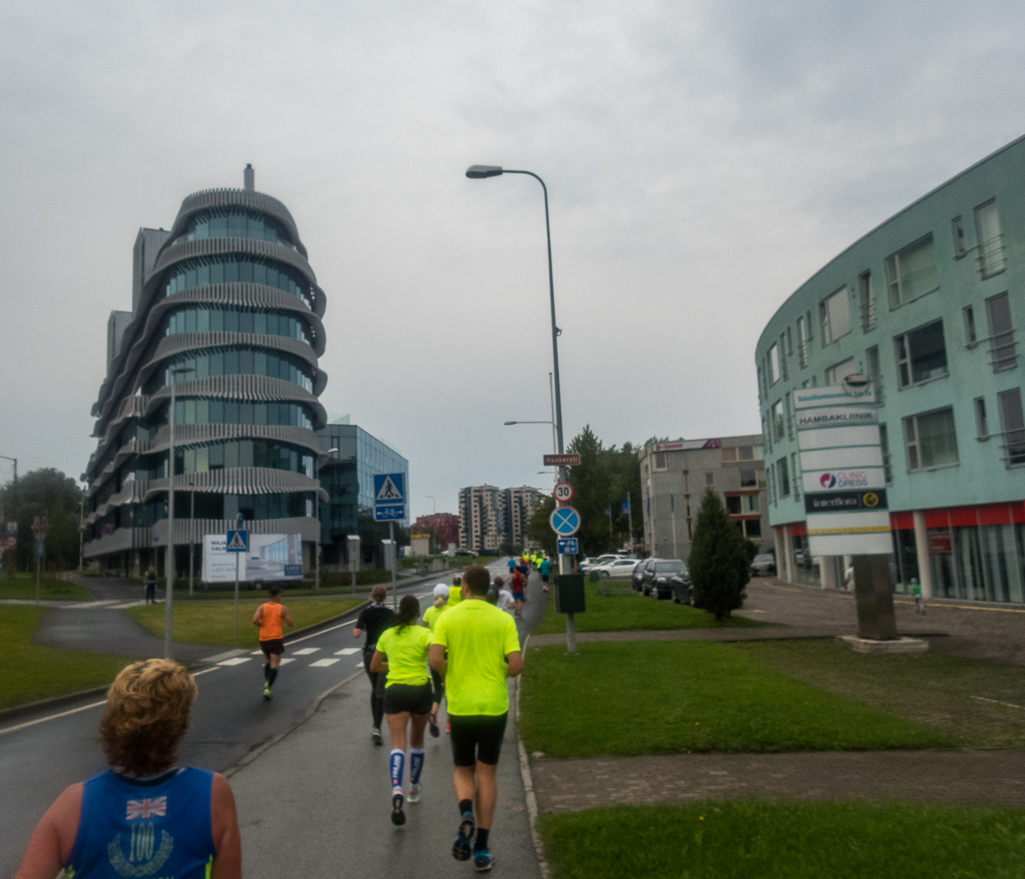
[(528, 783)]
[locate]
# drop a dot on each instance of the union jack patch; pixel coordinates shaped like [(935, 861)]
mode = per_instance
[(147, 808)]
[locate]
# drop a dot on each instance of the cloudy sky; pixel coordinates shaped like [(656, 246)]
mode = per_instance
[(703, 158)]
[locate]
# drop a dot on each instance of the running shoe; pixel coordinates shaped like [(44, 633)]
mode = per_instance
[(448, 728), (414, 794), (433, 723), (398, 817), (483, 861), (462, 847), (375, 734), (266, 692)]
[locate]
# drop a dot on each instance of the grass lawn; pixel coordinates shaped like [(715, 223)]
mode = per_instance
[(760, 840), (31, 673), (630, 612), (50, 589), (213, 623), (665, 697), (959, 698)]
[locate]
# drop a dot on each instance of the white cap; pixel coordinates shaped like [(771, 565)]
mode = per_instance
[(440, 589)]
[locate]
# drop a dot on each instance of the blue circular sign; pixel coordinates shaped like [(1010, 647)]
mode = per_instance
[(565, 521)]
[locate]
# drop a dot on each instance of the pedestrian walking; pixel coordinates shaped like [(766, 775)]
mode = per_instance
[(916, 590), (145, 816), (430, 618), (518, 586), (401, 656), (545, 567), (151, 585), (483, 650), (374, 620), (268, 618)]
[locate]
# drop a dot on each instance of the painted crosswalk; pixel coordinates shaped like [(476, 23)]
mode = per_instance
[(306, 651), (324, 663), (347, 651), (238, 660)]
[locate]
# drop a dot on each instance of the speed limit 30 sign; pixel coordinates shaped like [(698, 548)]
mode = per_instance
[(563, 492)]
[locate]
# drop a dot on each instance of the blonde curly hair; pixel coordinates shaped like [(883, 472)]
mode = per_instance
[(147, 716)]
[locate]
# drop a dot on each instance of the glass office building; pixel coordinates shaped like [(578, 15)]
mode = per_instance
[(927, 306), (226, 307)]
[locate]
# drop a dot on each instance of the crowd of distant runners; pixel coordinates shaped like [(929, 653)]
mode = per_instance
[(461, 649)]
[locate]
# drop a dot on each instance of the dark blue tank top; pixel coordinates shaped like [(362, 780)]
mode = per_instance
[(129, 828)]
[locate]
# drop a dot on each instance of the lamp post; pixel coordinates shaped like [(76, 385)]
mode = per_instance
[(169, 552), (192, 524), (321, 461), (478, 172)]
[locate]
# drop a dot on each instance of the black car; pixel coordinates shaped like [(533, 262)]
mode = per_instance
[(637, 578), (683, 592), (657, 580)]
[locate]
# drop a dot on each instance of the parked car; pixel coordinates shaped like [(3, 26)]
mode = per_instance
[(616, 569), (683, 591), (589, 563), (637, 578), (763, 566), (657, 581)]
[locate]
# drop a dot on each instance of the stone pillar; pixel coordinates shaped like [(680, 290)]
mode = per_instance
[(922, 552), (779, 551), (788, 550), (828, 572)]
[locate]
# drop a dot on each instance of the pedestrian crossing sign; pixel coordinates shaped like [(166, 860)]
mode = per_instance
[(238, 541), (389, 496)]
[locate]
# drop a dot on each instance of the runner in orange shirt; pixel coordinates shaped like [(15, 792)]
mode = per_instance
[(268, 618)]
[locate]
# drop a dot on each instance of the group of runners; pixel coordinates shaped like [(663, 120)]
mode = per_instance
[(463, 649)]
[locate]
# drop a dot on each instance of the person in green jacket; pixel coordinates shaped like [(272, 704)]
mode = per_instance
[(151, 585)]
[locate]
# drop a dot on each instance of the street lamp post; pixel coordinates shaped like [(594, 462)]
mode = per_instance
[(192, 525), (478, 172), (321, 461), (169, 552)]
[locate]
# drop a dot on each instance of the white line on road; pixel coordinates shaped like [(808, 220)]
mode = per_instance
[(998, 702), (324, 663), (285, 660), (238, 660), (306, 651), (347, 651)]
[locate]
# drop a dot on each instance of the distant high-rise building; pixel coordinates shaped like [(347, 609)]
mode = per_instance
[(481, 518), (520, 504), (224, 304)]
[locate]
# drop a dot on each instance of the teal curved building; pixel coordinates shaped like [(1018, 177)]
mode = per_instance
[(226, 306), (928, 305)]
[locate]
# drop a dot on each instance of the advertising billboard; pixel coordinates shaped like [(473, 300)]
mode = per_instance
[(270, 557)]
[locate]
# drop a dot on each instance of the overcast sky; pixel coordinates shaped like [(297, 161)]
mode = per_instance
[(703, 159)]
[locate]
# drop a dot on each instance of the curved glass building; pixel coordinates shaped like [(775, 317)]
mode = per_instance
[(928, 306), (226, 307)]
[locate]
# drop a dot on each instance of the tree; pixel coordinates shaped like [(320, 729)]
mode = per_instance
[(592, 489), (539, 529), (720, 564), (45, 492)]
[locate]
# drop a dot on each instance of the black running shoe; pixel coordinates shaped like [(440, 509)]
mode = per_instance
[(462, 848), (375, 734), (433, 723), (398, 817)]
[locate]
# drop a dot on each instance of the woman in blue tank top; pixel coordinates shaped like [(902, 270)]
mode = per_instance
[(144, 816)]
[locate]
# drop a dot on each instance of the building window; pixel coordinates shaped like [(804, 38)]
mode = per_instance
[(750, 504), (746, 453), (802, 342), (778, 421), (884, 447), (970, 336), (729, 455), (748, 478), (793, 469), (911, 272), (981, 424), (661, 461), (835, 316), (790, 343), (773, 364), (783, 475), (921, 355), (874, 372), (753, 528), (838, 371), (958, 233), (931, 440), (1013, 426), (789, 418), (709, 478), (868, 303), (1001, 333), (991, 247), (733, 504), (783, 356)]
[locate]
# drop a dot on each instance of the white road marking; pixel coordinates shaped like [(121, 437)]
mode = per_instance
[(347, 651), (359, 665), (998, 702), (256, 653), (324, 663), (285, 660), (306, 651), (238, 660)]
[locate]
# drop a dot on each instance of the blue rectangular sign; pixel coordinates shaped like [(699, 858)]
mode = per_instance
[(569, 546), (238, 541), (389, 497)]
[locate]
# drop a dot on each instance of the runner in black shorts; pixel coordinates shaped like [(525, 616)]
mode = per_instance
[(374, 620), (401, 654)]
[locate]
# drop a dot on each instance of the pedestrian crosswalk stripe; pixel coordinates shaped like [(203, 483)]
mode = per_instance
[(306, 651), (347, 651), (238, 660), (256, 653), (324, 663), (285, 660)]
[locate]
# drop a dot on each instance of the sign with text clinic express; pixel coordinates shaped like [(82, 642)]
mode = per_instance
[(842, 472)]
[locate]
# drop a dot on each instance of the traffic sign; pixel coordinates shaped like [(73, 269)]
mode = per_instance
[(565, 521), (569, 546), (238, 541), (389, 496), (563, 492), (568, 460)]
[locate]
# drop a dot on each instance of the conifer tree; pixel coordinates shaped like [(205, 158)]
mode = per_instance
[(719, 564)]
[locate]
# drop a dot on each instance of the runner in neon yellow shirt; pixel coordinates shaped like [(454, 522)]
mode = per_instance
[(402, 652), (483, 650), (430, 618)]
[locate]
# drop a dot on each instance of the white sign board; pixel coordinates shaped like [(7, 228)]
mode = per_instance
[(842, 472), (269, 557)]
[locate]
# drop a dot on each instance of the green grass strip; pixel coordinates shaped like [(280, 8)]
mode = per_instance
[(50, 589), (670, 697), (213, 623), (760, 840), (630, 611), (31, 673)]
